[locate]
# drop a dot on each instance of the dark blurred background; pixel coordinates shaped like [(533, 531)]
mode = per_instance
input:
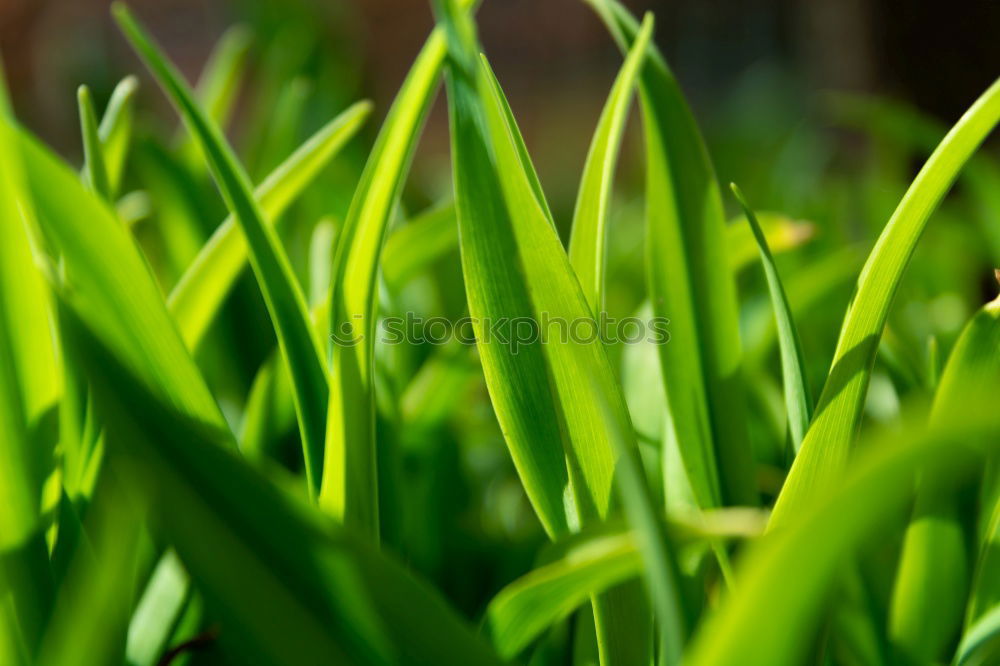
[(764, 61)]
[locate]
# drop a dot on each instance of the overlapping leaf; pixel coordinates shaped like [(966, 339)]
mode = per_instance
[(282, 294), (685, 246)]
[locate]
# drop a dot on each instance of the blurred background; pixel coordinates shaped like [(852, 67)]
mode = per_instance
[(822, 111), (759, 63)]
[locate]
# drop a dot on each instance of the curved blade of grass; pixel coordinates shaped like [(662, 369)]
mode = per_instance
[(120, 298), (981, 643), (548, 398), (281, 291), (587, 241), (200, 292), (774, 613), (798, 402), (688, 284), (521, 611), (115, 129), (316, 595), (93, 153), (829, 438), (350, 489)]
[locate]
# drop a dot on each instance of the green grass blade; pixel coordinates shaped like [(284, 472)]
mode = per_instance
[(686, 250), (93, 154), (120, 298), (198, 296), (798, 402), (981, 643), (317, 594), (775, 611), (278, 284), (115, 129), (521, 611), (829, 439), (587, 242), (350, 488), (29, 391), (549, 398), (30, 370)]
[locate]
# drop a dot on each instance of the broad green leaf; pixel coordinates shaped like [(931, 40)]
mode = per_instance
[(974, 364), (29, 390), (932, 579), (95, 170), (829, 438), (774, 613), (350, 489), (120, 298), (199, 294), (29, 385), (115, 129), (285, 302), (522, 610), (931, 584), (317, 594), (798, 402), (90, 619), (557, 403), (587, 242), (685, 247)]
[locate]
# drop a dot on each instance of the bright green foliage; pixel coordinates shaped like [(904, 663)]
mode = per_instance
[(350, 477), (296, 466), (828, 441), (531, 604), (281, 291), (587, 244), (93, 152), (798, 402), (685, 248), (933, 578), (200, 292)]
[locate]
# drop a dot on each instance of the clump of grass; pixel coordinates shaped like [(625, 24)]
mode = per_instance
[(169, 492)]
